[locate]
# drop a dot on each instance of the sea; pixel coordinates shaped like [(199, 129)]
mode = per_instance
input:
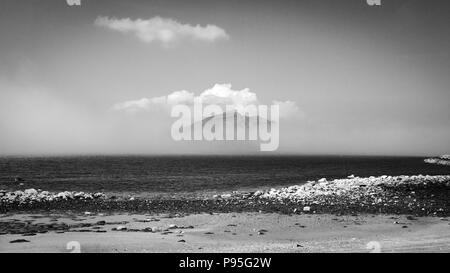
[(194, 175)]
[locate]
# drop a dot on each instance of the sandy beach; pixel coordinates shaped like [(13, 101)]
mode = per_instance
[(232, 232), (375, 214)]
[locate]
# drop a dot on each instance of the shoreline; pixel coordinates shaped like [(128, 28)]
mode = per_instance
[(419, 195)]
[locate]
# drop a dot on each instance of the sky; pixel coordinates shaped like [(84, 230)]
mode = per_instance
[(353, 79)]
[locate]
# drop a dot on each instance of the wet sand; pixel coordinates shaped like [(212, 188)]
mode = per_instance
[(232, 232)]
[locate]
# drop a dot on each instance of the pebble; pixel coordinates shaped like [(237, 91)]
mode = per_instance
[(382, 194), (29, 196), (120, 228), (385, 194)]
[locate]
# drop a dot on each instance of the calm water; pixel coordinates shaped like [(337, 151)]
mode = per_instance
[(141, 174)]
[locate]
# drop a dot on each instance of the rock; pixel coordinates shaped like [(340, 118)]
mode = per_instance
[(101, 223), (19, 241), (181, 241), (156, 229), (172, 226), (30, 192), (120, 228), (30, 196), (306, 209), (98, 195), (443, 160), (83, 230), (133, 230)]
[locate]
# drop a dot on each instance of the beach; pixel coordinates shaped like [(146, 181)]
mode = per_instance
[(234, 232), (353, 214)]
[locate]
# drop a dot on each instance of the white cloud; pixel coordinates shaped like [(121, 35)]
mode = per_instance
[(138, 105), (288, 109), (220, 94), (164, 30), (180, 97)]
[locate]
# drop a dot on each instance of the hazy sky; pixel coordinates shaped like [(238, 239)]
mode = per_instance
[(366, 80)]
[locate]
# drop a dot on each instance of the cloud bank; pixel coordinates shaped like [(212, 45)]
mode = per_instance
[(163, 30), (219, 94)]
